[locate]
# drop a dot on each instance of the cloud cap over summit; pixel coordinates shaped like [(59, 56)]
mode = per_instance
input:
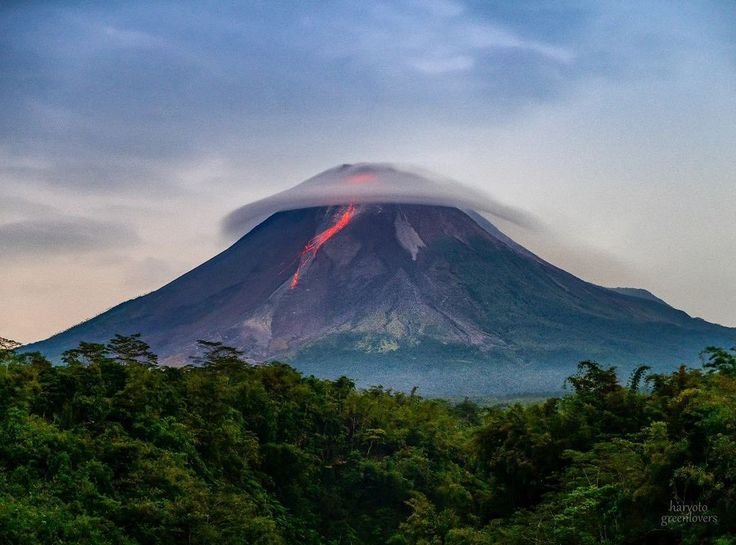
[(372, 183)]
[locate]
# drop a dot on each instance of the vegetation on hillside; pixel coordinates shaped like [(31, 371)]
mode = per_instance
[(113, 448)]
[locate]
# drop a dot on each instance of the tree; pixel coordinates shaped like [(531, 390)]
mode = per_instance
[(636, 376), (8, 346), (593, 382), (113, 449), (86, 354), (720, 360), (215, 354), (127, 349)]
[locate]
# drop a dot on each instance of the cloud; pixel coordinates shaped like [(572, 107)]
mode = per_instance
[(109, 99), (401, 39), (372, 183), (41, 238), (164, 117), (149, 273), (126, 38), (14, 208), (456, 63)]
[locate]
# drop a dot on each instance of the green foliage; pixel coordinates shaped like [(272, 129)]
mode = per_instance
[(720, 360), (112, 448)]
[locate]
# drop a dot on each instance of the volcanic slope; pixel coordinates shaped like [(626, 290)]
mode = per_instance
[(402, 295)]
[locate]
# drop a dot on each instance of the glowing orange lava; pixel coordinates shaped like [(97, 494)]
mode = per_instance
[(295, 278), (362, 178), (310, 250)]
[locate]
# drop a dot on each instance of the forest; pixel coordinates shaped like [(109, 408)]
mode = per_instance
[(112, 448)]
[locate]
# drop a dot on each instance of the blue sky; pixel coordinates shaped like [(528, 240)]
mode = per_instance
[(130, 129)]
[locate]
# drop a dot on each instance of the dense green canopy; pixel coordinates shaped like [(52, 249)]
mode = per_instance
[(113, 448)]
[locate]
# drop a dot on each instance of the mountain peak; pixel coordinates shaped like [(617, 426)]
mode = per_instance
[(392, 276), (399, 294), (371, 183)]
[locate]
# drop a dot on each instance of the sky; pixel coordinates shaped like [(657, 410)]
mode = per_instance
[(129, 130)]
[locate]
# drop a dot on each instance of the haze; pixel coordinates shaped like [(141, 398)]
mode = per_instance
[(128, 132)]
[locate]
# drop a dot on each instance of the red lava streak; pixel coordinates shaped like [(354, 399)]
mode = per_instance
[(310, 250)]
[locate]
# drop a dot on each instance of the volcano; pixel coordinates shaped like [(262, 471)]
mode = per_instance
[(401, 294)]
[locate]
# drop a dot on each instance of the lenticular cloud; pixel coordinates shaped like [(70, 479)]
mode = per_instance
[(371, 183)]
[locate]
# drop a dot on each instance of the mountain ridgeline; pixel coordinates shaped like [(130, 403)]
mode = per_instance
[(401, 295)]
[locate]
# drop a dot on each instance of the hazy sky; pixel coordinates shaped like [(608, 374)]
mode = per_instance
[(128, 131)]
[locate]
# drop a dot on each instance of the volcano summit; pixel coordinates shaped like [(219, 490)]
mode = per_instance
[(392, 278)]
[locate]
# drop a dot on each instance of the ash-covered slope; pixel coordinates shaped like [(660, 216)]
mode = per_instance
[(401, 295)]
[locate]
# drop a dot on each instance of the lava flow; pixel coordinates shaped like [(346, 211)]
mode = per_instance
[(310, 250)]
